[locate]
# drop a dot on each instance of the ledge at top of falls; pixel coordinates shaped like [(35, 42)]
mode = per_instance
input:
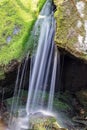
[(71, 30)]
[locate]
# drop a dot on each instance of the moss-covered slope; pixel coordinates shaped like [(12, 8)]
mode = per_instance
[(16, 20), (71, 32)]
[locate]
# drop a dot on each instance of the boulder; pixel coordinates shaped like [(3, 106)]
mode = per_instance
[(16, 22), (41, 121), (71, 30)]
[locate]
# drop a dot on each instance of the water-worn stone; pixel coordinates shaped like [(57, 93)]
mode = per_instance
[(41, 121)]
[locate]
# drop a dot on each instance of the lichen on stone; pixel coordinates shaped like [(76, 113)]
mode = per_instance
[(71, 32)]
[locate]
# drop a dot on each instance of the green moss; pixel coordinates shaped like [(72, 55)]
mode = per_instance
[(61, 101), (2, 76), (19, 14), (82, 96), (60, 105)]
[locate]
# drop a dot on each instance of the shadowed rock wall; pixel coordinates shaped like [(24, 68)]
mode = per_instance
[(73, 74)]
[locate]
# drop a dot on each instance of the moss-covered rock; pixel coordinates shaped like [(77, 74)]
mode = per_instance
[(82, 96), (16, 21), (71, 32), (41, 121)]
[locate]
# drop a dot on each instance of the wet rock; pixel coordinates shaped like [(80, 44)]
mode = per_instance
[(2, 125), (55, 127), (82, 96), (6, 117), (41, 121)]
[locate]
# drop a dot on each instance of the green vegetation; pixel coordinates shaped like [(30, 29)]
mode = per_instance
[(82, 96), (2, 76), (61, 101), (16, 21)]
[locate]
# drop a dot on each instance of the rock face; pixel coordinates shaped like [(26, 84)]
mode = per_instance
[(71, 32), (16, 21), (73, 74), (71, 39), (7, 83)]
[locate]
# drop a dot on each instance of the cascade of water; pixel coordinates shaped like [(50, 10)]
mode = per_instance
[(53, 80), (47, 76), (17, 90), (35, 69), (21, 81), (38, 54), (41, 65), (31, 66), (13, 100), (47, 46)]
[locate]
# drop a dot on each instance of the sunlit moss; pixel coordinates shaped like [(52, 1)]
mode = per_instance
[(18, 14)]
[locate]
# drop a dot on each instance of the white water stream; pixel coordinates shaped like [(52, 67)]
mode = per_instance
[(43, 71)]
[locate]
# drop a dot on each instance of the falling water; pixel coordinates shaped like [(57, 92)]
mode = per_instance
[(40, 63), (53, 80), (47, 75), (15, 91), (21, 81), (17, 95), (49, 28), (44, 60)]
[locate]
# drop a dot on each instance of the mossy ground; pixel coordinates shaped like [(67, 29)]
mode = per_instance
[(16, 20), (67, 31), (82, 96)]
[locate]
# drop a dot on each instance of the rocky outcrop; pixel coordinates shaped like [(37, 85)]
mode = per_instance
[(7, 83), (71, 32), (16, 21), (71, 39)]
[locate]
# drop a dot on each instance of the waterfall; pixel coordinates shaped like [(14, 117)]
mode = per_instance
[(53, 80), (43, 69), (45, 52), (47, 76), (42, 55)]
